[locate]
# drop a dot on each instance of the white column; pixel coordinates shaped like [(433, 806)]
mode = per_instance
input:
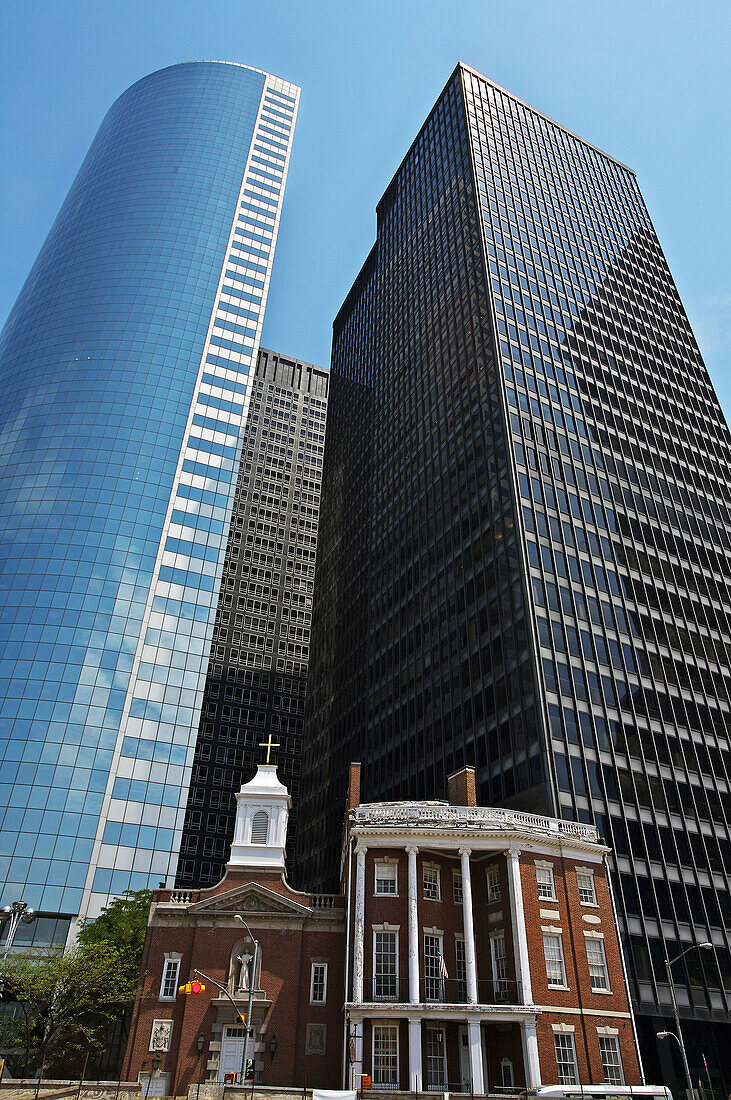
[(413, 911), (357, 1066), (474, 1037), (520, 938), (360, 854), (531, 1061), (469, 927), (416, 1083)]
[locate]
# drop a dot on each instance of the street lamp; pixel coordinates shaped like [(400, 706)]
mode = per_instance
[(252, 975), (200, 1043), (679, 1036), (15, 913)]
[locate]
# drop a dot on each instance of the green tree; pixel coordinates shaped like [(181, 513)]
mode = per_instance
[(57, 1007), (122, 925)]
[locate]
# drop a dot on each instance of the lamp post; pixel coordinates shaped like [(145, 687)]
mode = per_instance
[(679, 1036), (15, 913), (200, 1043), (252, 975)]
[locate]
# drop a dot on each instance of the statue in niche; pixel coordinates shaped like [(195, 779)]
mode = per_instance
[(242, 983)]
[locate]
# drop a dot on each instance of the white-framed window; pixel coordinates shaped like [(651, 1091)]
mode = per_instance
[(431, 882), (385, 965), (457, 886), (460, 960), (170, 976), (507, 1075), (260, 827), (587, 889), (597, 959), (385, 1056), (433, 977), (318, 983), (499, 966), (553, 954), (494, 890), (386, 878), (611, 1059), (436, 1059), (546, 884), (563, 1042)]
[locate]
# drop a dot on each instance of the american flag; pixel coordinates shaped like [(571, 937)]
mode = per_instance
[(442, 966)]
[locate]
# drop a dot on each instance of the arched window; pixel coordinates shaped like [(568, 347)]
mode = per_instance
[(260, 827)]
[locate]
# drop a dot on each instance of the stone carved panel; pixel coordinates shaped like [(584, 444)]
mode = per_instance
[(161, 1035), (315, 1039)]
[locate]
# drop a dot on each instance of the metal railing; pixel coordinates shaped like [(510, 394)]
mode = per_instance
[(440, 991)]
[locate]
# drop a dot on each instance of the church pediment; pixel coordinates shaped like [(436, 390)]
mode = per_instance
[(250, 898)]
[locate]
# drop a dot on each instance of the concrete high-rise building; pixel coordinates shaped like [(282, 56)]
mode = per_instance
[(257, 674), (525, 537), (125, 386)]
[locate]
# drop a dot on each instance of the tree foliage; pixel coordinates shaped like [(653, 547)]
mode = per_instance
[(122, 925), (57, 1007)]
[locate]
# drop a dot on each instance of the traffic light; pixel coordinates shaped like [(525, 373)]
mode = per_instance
[(192, 987)]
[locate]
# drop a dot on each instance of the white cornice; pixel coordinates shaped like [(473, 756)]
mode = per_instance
[(396, 824)]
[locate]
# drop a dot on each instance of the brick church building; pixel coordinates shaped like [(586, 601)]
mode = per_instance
[(472, 949)]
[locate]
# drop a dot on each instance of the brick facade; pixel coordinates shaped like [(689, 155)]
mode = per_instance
[(486, 1016), (293, 932)]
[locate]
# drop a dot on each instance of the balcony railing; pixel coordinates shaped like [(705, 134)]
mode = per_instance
[(441, 991), (431, 815)]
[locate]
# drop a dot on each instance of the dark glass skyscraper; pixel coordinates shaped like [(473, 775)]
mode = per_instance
[(124, 388), (525, 538), (257, 673)]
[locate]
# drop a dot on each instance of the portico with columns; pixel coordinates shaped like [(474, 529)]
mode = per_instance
[(441, 992)]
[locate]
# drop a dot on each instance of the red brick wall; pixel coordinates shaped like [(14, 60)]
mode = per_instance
[(579, 995), (586, 1040), (286, 953)]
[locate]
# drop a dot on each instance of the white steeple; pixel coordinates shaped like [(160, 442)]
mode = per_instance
[(260, 832)]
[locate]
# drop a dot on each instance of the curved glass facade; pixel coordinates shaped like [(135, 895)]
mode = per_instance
[(123, 394)]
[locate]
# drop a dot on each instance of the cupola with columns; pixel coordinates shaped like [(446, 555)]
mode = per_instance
[(260, 831)]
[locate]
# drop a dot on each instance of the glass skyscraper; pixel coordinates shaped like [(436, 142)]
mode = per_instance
[(257, 673), (525, 535), (124, 389)]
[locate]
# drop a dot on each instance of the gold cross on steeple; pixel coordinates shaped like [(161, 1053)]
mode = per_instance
[(269, 745)]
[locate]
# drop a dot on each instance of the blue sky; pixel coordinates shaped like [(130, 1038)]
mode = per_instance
[(646, 80)]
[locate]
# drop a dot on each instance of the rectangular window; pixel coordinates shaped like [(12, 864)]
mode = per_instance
[(436, 1059), (499, 967), (433, 977), (494, 892), (568, 1073), (611, 1059), (546, 885), (553, 954), (431, 883), (385, 966), (457, 886), (507, 1077), (386, 878), (169, 984), (318, 983), (385, 1056), (460, 969), (597, 965), (587, 891)]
